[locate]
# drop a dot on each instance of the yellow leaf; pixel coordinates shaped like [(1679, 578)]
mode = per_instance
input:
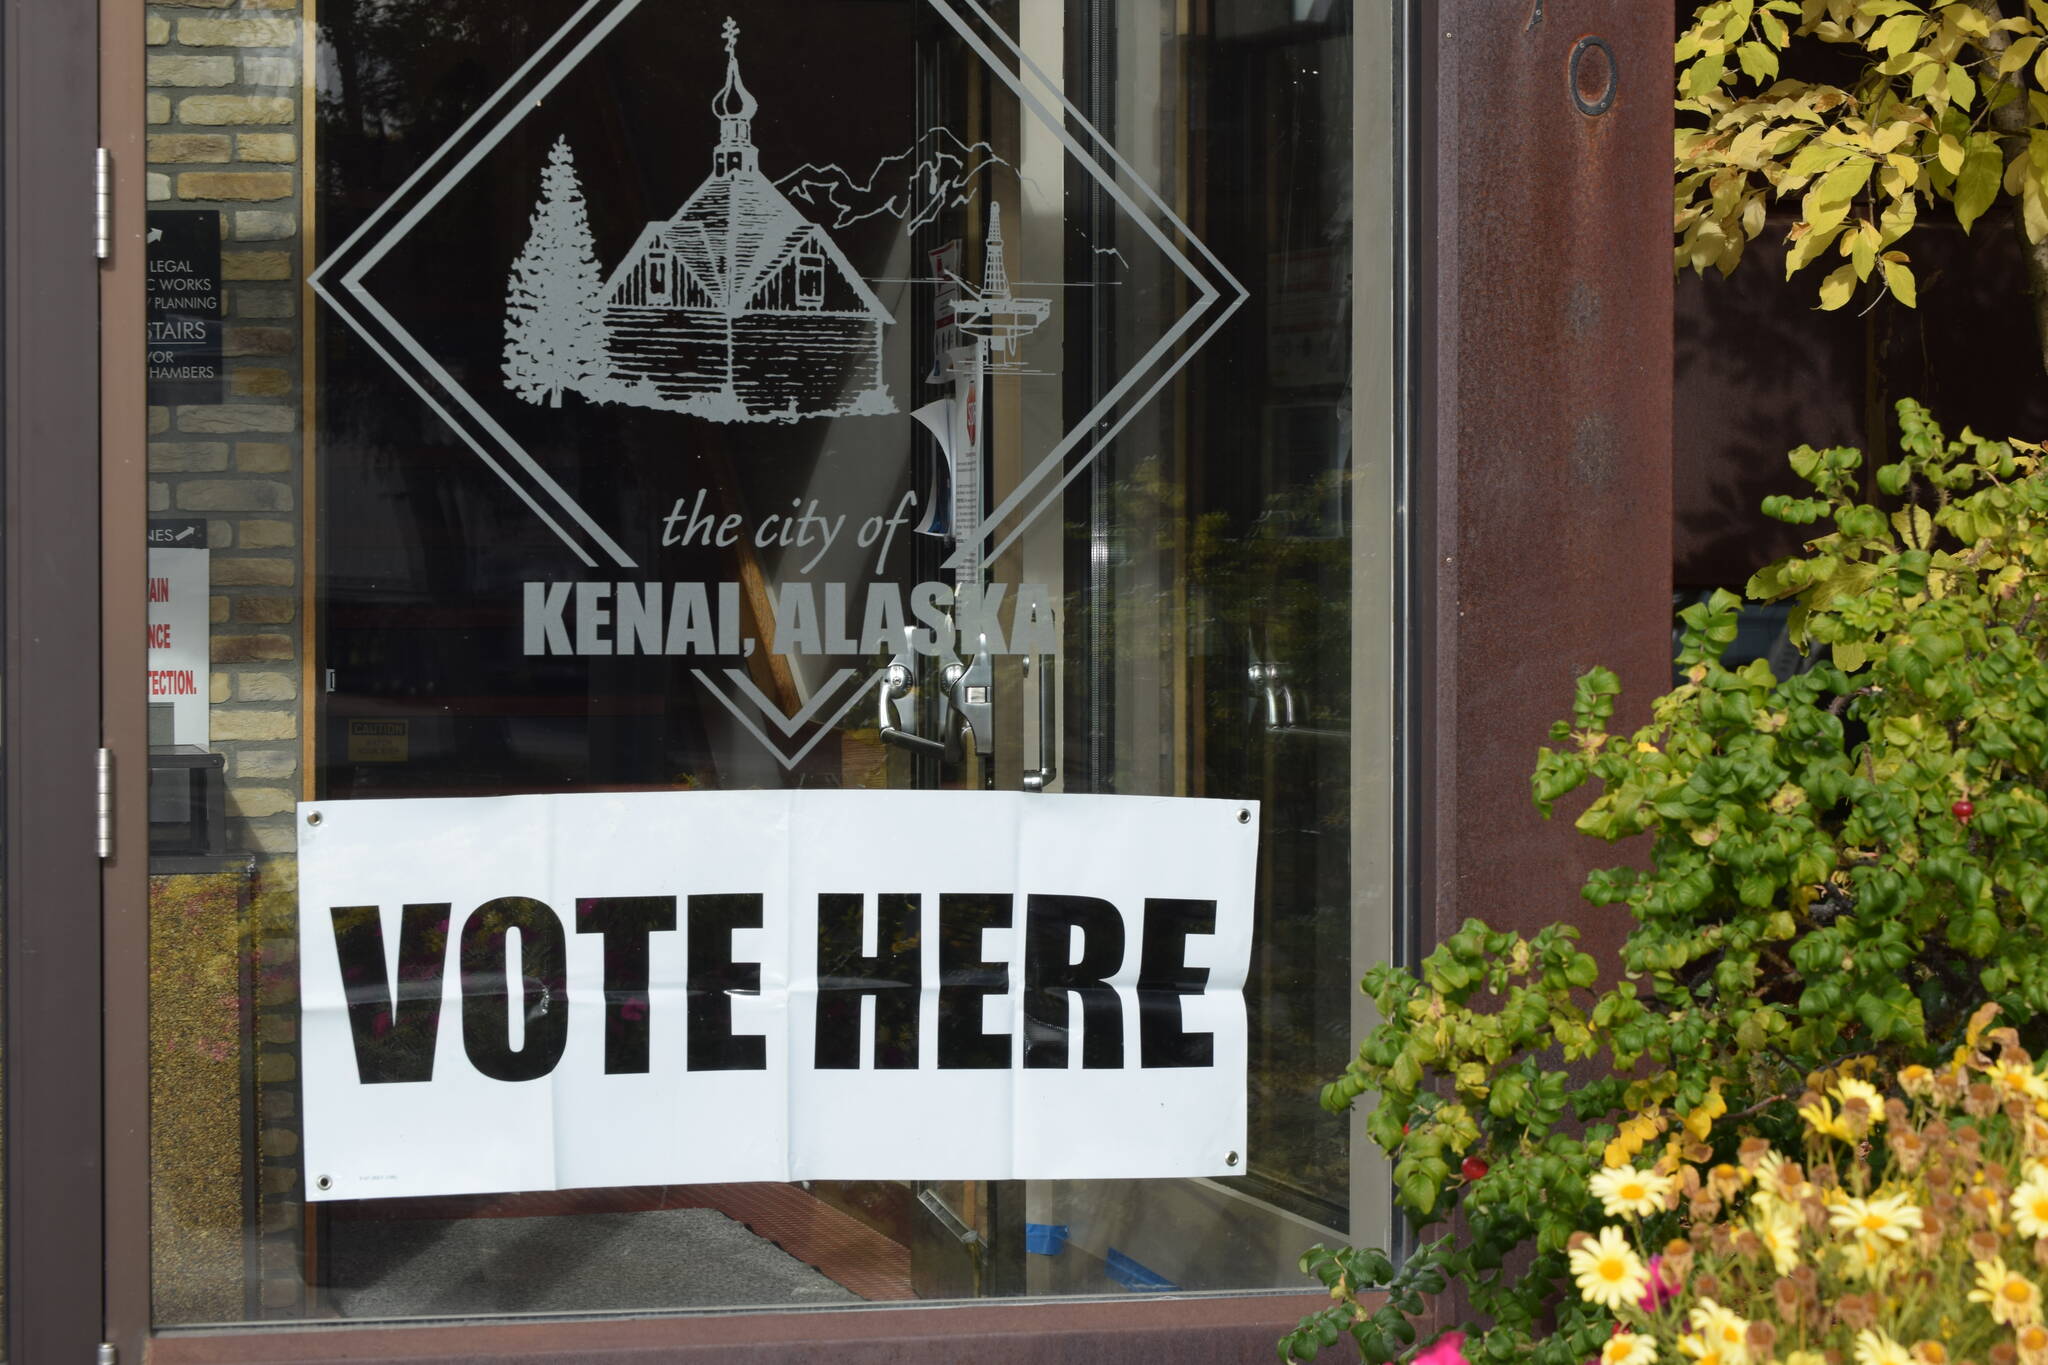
[(1898, 277), (1844, 182), (2018, 55), (1950, 153), (1897, 34), (1863, 250), (1891, 135), (1850, 657), (1836, 289), (1961, 88)]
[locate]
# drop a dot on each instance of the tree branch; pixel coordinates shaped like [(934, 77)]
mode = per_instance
[(2010, 119)]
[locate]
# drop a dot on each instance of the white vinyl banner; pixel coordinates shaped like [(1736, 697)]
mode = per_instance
[(546, 992)]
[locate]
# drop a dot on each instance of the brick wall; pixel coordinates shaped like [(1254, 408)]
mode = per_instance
[(226, 132)]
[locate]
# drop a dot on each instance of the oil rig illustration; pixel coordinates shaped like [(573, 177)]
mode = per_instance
[(993, 314)]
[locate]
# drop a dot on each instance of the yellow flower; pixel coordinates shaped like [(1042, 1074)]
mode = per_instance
[(1629, 1348), (1820, 1116), (1916, 1081), (2030, 1204), (1880, 1218), (2032, 1339), (2018, 1080), (1875, 1348), (1777, 1227), (2012, 1298), (1849, 1088), (1630, 1193), (1806, 1358), (1723, 1330), (1608, 1270), (1694, 1347)]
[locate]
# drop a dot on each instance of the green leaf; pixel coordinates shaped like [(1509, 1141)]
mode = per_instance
[(1977, 183)]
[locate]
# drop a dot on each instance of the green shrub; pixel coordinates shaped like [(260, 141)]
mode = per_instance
[(1843, 864)]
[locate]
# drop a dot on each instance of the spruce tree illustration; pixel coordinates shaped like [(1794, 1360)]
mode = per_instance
[(554, 316)]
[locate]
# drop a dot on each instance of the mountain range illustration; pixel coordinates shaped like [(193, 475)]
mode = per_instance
[(938, 172)]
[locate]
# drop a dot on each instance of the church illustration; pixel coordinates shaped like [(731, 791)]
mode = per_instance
[(739, 308)]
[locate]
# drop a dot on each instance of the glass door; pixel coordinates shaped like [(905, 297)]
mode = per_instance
[(614, 397)]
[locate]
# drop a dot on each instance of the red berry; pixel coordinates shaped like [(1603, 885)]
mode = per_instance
[(1472, 1168), (1962, 810)]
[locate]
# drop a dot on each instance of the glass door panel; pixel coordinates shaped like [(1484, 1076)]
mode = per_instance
[(618, 397)]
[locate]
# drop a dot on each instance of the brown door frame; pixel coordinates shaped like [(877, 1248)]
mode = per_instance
[(49, 388), (124, 614)]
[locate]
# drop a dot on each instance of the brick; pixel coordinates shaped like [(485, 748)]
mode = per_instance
[(172, 70), (276, 73), (256, 265), (237, 722), (280, 1141), (266, 147), (247, 341), (220, 535), (221, 687), (158, 109), (238, 32), (212, 111), (237, 417), (264, 225), (252, 803), (247, 649), (266, 762), (156, 186), (210, 147), (253, 838), (235, 185), (159, 421), (156, 30), (234, 495), (263, 457), (245, 572), (264, 303), (267, 535), (273, 1068), (187, 457), (159, 496), (270, 4), (217, 612), (266, 611), (259, 383)]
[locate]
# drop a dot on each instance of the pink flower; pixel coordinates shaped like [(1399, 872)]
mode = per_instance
[(1661, 1290), (1448, 1349)]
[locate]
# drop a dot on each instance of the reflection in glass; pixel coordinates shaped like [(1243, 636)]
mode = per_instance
[(718, 260)]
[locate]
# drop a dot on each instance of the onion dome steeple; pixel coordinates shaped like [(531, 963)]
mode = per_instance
[(735, 105)]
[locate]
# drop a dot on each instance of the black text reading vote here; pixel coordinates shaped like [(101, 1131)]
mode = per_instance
[(395, 1031)]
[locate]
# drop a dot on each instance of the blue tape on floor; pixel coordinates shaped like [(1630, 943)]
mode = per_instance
[(1134, 1275), (1045, 1239)]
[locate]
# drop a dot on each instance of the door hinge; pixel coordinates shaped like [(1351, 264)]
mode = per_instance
[(102, 204), (103, 816), (107, 1355)]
